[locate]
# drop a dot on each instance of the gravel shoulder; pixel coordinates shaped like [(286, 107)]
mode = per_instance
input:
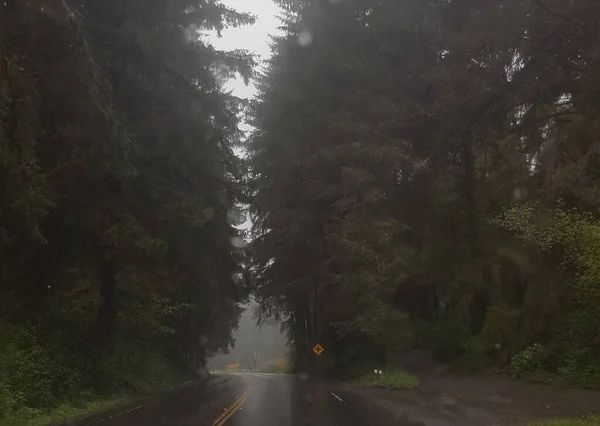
[(444, 400)]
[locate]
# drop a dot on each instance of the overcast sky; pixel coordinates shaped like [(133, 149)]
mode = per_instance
[(254, 38)]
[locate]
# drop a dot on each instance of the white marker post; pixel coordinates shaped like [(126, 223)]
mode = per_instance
[(378, 373)]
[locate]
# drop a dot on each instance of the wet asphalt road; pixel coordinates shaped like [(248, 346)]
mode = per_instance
[(247, 399), (290, 400)]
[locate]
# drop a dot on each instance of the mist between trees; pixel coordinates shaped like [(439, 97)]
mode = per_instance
[(422, 174), (257, 347)]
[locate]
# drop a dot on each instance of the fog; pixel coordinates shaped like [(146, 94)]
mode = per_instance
[(266, 342)]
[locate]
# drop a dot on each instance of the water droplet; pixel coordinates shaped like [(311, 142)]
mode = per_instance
[(305, 38), (238, 279), (519, 194), (238, 242), (208, 213), (233, 217), (190, 34)]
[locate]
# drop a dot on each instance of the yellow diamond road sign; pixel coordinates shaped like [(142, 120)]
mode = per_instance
[(318, 349)]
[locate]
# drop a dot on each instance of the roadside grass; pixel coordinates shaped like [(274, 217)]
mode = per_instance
[(585, 421), (33, 417), (392, 379)]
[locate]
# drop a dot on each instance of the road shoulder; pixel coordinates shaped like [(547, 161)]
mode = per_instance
[(138, 403), (473, 401)]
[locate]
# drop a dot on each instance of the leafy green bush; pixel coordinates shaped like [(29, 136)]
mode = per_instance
[(131, 367), (37, 383), (32, 417), (393, 379), (529, 363), (9, 400), (500, 325), (484, 348), (27, 371), (451, 336), (566, 334), (578, 369)]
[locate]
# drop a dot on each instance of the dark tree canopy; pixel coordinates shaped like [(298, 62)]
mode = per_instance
[(118, 186), (425, 176), (421, 174)]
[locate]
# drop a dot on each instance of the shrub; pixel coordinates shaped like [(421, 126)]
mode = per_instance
[(9, 399), (579, 370), (127, 367), (584, 421), (529, 363), (393, 379), (26, 370)]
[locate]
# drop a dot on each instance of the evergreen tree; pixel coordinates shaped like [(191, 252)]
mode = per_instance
[(119, 181), (397, 146)]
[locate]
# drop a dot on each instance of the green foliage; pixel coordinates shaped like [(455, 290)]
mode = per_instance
[(406, 171), (128, 367), (9, 400), (118, 179), (530, 363), (32, 417), (34, 379), (585, 421), (393, 379), (579, 368), (573, 339), (498, 329), (26, 370)]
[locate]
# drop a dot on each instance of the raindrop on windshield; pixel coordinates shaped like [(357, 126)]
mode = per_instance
[(238, 242), (304, 38), (233, 216), (190, 34)]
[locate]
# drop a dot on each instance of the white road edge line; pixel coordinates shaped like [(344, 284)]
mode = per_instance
[(337, 397), (120, 414)]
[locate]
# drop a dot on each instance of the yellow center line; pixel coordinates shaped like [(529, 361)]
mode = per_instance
[(228, 413), (233, 407)]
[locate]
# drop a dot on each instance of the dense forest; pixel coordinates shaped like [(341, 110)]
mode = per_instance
[(425, 174), (118, 262), (421, 174)]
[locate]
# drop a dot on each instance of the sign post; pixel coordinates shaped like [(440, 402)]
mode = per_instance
[(378, 373)]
